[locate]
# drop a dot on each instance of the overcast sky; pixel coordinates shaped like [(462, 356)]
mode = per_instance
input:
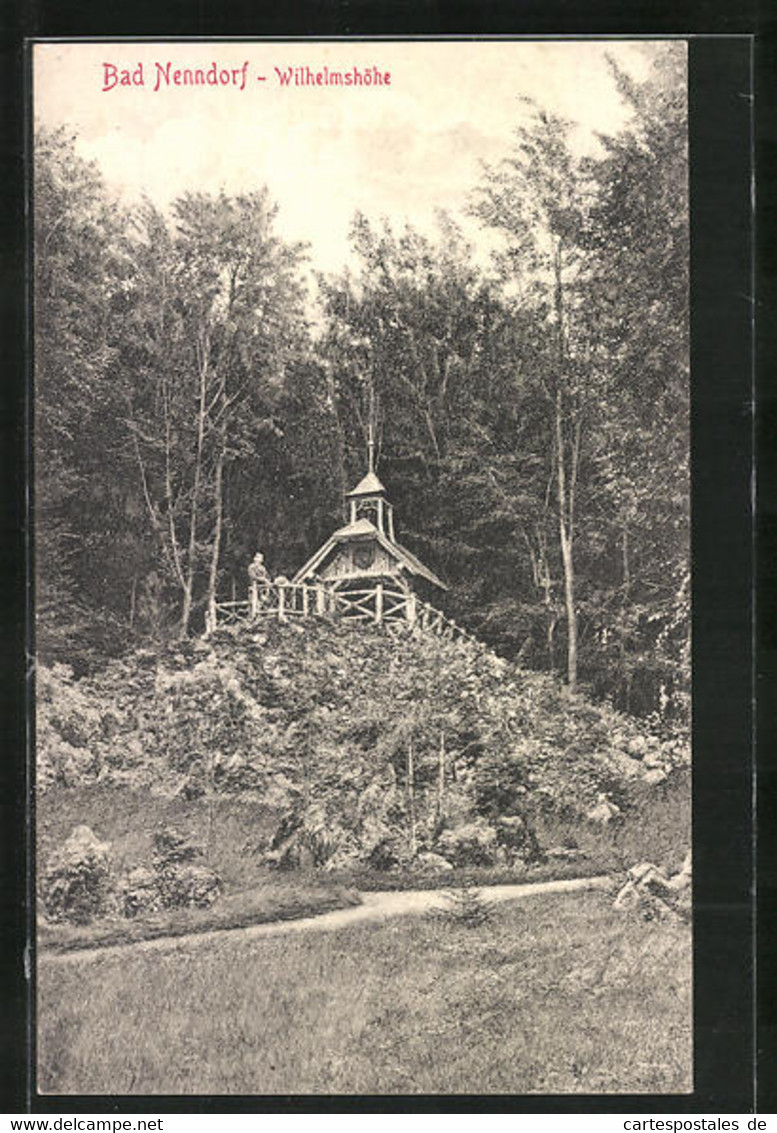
[(402, 150)]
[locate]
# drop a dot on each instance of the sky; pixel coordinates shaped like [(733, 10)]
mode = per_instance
[(402, 150)]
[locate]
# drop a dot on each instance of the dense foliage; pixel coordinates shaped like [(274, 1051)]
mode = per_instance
[(367, 749), (193, 405)]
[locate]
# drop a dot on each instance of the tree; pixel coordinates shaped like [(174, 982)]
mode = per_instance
[(218, 321), (638, 240), (80, 491), (535, 197), (419, 341)]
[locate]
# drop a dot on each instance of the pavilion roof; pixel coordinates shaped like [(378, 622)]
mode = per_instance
[(363, 528), (369, 485)]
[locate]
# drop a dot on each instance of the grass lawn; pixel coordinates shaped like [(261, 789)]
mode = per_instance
[(556, 994)]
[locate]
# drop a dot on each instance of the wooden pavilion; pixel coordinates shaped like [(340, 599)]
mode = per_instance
[(365, 551)]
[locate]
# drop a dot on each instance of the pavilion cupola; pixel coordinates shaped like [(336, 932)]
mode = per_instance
[(368, 499)]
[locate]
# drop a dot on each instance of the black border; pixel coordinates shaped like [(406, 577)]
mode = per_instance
[(720, 133), (766, 591)]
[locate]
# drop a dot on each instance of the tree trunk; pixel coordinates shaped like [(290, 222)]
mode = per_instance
[(411, 797), (218, 523), (441, 780), (133, 594), (188, 587), (565, 491), (565, 503), (625, 675), (569, 603)]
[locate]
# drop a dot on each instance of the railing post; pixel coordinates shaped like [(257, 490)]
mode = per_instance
[(411, 608), (379, 602), (320, 601), (253, 599), (305, 600), (281, 602)]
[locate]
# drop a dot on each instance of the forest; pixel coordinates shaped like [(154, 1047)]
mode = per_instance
[(201, 392)]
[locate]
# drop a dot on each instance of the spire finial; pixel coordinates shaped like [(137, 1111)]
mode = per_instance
[(370, 448)]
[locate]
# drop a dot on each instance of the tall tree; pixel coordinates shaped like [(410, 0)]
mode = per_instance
[(638, 240), (217, 310), (79, 492), (535, 198)]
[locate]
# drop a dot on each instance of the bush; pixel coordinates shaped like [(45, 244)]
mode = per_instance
[(188, 886), (474, 843), (516, 835), (171, 847), (139, 892), (77, 884), (389, 853), (467, 908), (306, 837), (179, 882)]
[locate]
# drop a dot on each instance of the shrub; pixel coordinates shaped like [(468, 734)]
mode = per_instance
[(467, 908), (188, 886), (171, 847), (77, 884), (387, 854), (139, 892), (474, 843), (516, 835)]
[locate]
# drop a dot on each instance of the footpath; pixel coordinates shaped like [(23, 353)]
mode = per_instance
[(376, 906)]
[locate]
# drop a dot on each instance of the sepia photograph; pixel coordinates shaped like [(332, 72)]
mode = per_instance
[(362, 588)]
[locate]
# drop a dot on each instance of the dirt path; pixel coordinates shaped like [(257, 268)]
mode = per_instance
[(375, 906)]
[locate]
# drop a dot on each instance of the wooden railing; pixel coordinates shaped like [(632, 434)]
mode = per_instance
[(378, 604)]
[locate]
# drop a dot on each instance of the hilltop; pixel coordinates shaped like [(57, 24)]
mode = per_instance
[(350, 746)]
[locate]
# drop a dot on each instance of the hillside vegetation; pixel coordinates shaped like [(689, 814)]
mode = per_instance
[(330, 746)]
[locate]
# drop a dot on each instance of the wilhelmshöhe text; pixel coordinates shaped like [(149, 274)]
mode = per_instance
[(159, 76)]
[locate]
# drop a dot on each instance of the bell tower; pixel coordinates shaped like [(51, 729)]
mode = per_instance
[(368, 499)]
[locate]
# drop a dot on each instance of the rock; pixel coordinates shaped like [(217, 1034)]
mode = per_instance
[(77, 884), (346, 856), (627, 897), (78, 765), (649, 892), (637, 747), (109, 724), (655, 776), (563, 853), (643, 871), (653, 759), (431, 861), (604, 811), (511, 822), (682, 880), (626, 765), (306, 838)]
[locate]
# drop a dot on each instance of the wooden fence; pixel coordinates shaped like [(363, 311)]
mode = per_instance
[(378, 604)]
